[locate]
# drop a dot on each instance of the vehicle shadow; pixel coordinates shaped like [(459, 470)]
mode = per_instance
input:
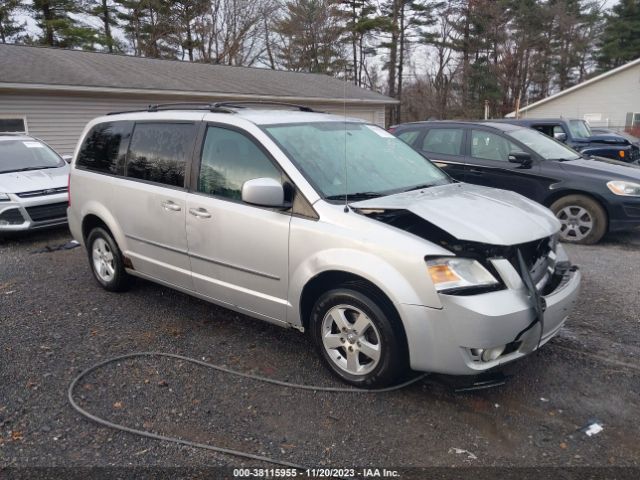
[(54, 234), (630, 238)]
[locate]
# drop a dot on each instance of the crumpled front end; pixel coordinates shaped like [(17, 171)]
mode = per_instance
[(474, 333)]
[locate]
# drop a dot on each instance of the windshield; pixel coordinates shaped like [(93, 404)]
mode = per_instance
[(546, 147), (377, 163), (579, 129), (19, 155)]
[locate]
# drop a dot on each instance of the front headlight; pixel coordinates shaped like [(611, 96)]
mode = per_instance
[(620, 187), (4, 197), (451, 273)]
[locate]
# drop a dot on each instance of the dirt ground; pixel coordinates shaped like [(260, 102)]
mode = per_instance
[(55, 321)]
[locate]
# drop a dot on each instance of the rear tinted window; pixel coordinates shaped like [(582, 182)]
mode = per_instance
[(100, 150), (409, 136), (443, 140), (159, 152)]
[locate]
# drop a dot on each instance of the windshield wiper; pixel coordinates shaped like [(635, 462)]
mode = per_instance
[(420, 187), (26, 169), (355, 196)]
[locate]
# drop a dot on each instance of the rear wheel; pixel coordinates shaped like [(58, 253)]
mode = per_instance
[(583, 220), (358, 338), (106, 262)]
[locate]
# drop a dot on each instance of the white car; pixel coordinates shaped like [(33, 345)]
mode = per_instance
[(33, 184)]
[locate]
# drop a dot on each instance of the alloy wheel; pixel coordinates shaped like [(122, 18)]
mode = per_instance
[(576, 223), (351, 339), (103, 260)]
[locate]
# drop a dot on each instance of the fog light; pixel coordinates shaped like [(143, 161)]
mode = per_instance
[(491, 354)]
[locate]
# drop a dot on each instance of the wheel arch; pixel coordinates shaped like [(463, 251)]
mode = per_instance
[(95, 215), (557, 195), (329, 279)]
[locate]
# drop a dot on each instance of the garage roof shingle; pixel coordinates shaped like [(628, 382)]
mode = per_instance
[(73, 68)]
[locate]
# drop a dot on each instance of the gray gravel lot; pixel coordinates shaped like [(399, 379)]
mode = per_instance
[(56, 321)]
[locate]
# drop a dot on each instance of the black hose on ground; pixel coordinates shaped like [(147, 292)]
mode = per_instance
[(215, 448)]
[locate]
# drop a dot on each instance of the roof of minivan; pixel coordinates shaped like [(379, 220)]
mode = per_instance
[(259, 116), (487, 123)]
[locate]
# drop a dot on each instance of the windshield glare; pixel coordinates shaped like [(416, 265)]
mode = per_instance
[(579, 129), (376, 161), (27, 154), (546, 147)]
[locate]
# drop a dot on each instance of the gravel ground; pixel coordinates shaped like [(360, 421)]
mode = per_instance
[(56, 321)]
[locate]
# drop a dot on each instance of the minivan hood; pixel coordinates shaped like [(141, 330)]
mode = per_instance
[(474, 213), (18, 182)]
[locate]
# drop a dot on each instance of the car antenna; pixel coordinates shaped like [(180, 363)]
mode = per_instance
[(346, 174)]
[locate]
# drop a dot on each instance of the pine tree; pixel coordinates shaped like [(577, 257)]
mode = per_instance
[(185, 13), (148, 26), (105, 11), (621, 37), (313, 34), (362, 20), (59, 27), (10, 29)]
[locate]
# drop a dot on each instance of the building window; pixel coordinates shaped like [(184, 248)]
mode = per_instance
[(636, 120), (13, 125)]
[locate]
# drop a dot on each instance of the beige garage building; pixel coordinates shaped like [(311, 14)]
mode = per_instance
[(611, 100), (52, 93)]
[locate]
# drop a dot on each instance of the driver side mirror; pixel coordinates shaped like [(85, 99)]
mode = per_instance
[(67, 158), (264, 192), (560, 136), (523, 158)]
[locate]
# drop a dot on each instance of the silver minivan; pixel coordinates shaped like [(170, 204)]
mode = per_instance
[(328, 225)]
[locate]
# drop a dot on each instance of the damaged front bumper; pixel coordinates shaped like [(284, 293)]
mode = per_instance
[(466, 335)]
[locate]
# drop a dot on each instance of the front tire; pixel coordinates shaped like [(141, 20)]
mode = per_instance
[(358, 338), (583, 220), (106, 262)]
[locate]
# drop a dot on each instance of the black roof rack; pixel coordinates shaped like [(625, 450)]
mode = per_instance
[(241, 104), (218, 107), (210, 107)]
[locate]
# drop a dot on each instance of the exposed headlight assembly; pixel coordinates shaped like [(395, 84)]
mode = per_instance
[(620, 187), (4, 197), (453, 273)]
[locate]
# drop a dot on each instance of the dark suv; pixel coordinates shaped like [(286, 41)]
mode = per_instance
[(578, 135), (589, 196)]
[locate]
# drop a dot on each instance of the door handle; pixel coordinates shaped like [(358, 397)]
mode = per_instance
[(476, 171), (170, 206), (199, 212)]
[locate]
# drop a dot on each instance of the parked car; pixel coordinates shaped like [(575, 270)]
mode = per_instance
[(33, 184), (588, 196), (578, 135), (628, 137), (328, 225)]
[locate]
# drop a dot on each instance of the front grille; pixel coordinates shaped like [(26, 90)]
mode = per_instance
[(51, 211), (11, 217), (40, 193), (539, 256)]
